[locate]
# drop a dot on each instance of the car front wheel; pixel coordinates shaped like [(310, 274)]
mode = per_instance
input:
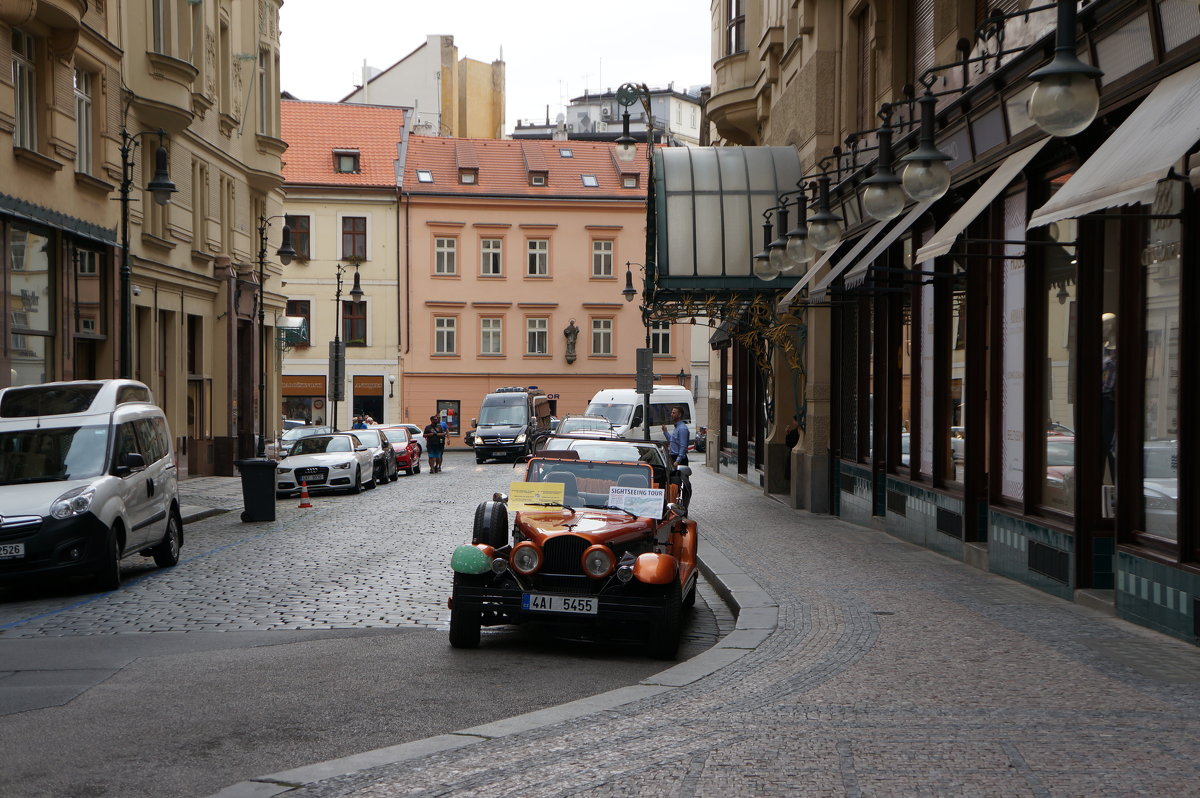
[(357, 486), (464, 624), (664, 632), (108, 577)]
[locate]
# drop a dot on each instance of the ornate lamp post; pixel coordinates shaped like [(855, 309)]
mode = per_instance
[(161, 188), (285, 254)]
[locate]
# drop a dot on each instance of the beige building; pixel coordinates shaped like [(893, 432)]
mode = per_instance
[(343, 211), (447, 95), (90, 89)]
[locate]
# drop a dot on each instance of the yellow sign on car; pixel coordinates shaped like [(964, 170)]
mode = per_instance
[(531, 495)]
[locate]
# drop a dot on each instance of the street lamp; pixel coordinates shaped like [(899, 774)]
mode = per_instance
[(1066, 99), (337, 347), (161, 188), (645, 361), (285, 254)]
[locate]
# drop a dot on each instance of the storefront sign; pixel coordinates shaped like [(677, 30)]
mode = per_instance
[(368, 385), (303, 385)]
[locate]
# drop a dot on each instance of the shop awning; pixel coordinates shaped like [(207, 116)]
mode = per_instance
[(850, 257), (819, 264), (860, 263), (944, 238), (1127, 167)]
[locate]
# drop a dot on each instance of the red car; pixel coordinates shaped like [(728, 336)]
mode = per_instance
[(408, 451)]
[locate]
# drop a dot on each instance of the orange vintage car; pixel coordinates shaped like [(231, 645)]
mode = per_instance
[(617, 555)]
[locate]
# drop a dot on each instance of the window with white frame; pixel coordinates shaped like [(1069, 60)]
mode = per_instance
[(354, 237), (444, 256), (602, 337), (660, 337), (83, 121), (25, 89), (445, 335), (491, 336), (602, 259), (537, 336), (491, 257), (539, 258), (158, 26), (264, 93)]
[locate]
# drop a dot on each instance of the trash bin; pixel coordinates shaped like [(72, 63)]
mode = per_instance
[(258, 488)]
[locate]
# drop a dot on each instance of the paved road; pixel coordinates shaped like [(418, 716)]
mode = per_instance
[(275, 645), (890, 671)]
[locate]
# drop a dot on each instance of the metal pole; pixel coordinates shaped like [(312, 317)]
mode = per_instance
[(337, 339), (261, 451), (126, 274)]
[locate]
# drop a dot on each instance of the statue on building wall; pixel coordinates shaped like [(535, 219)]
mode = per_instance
[(571, 333)]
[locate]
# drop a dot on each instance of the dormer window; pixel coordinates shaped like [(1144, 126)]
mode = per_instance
[(346, 162), (537, 178), (589, 181), (424, 175), (468, 177), (629, 181)]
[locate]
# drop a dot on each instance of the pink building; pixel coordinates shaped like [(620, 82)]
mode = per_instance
[(512, 269)]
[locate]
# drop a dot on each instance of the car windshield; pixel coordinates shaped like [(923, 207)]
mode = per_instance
[(53, 454), (576, 424), (1060, 453), (369, 437), (1161, 462), (295, 433), (589, 482), (615, 413), (322, 444), (511, 415)]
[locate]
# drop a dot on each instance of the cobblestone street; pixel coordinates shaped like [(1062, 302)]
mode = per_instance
[(891, 671)]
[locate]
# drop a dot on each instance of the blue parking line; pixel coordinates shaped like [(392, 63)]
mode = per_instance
[(151, 574)]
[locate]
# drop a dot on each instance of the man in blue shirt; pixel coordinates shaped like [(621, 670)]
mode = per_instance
[(678, 437)]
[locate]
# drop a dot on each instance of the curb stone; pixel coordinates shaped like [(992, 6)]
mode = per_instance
[(757, 617)]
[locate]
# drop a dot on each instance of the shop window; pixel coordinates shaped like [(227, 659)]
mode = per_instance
[(448, 411), (957, 441), (1061, 356), (1160, 457), (1012, 341), (31, 313)]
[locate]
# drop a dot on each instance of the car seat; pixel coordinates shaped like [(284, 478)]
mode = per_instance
[(632, 481), (570, 485)]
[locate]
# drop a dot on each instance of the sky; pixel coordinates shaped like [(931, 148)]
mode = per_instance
[(553, 49)]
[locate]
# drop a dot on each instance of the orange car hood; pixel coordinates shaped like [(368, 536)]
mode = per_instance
[(597, 526)]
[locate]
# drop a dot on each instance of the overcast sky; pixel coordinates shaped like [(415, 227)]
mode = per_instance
[(553, 49)]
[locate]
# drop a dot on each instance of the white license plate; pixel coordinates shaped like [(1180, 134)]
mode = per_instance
[(11, 551), (579, 605)]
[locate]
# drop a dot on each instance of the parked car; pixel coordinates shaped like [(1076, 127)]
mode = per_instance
[(333, 462), (292, 423), (586, 563), (288, 439), (382, 454), (406, 450), (87, 478)]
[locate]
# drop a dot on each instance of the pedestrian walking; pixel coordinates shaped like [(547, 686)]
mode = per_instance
[(435, 443), (358, 423)]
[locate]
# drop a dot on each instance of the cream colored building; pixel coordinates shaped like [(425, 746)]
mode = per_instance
[(83, 76), (448, 95), (343, 211)]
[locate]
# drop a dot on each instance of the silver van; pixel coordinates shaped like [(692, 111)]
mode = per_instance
[(87, 478)]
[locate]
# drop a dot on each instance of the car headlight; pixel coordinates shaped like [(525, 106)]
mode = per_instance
[(282, 470), (525, 558), (74, 502), (521, 438), (341, 465), (598, 561)]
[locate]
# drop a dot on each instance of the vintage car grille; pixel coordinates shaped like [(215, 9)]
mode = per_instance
[(563, 553), (316, 474), (571, 585)]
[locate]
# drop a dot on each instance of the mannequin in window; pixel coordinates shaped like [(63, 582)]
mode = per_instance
[(1108, 395)]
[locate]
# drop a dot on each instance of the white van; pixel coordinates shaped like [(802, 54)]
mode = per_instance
[(87, 477), (623, 408)]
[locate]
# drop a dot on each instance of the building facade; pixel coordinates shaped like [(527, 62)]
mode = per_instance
[(101, 99), (515, 263), (995, 373), (342, 208), (447, 95), (675, 115)]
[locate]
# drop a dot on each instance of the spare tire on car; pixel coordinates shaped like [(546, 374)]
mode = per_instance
[(491, 524)]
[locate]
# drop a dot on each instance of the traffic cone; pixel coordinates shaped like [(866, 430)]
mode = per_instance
[(304, 502)]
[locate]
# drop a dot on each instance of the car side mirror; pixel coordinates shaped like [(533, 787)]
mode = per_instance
[(474, 422), (360, 448), (131, 462)]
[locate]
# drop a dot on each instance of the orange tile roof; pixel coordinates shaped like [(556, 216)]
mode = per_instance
[(313, 130), (504, 167)]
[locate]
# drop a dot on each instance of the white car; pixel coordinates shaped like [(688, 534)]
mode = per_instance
[(333, 462)]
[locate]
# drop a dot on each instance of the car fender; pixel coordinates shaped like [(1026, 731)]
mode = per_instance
[(686, 548), (652, 568)]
